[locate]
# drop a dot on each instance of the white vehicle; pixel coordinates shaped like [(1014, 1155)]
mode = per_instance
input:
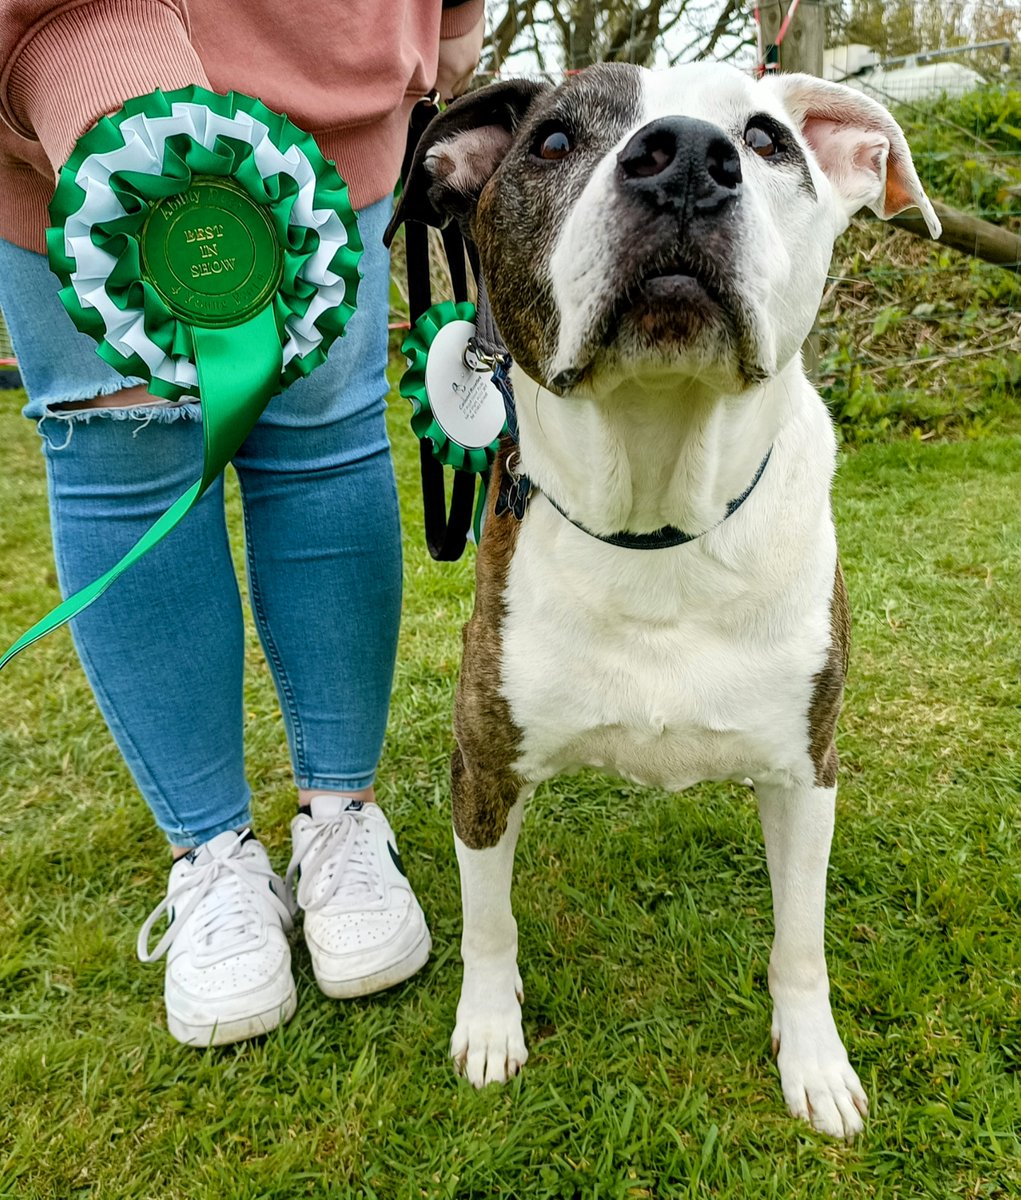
[(897, 80)]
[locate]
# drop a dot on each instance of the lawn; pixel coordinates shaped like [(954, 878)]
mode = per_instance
[(644, 919)]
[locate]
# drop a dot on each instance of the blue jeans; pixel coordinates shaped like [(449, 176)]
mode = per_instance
[(164, 648)]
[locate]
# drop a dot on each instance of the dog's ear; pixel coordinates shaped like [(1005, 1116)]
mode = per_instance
[(458, 152), (859, 146)]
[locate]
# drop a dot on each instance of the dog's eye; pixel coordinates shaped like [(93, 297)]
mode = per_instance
[(761, 140), (552, 144)]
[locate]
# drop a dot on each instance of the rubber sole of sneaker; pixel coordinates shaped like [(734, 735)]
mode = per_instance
[(378, 981), (240, 1029)]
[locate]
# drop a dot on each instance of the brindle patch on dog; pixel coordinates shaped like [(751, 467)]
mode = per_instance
[(484, 785), (829, 687)]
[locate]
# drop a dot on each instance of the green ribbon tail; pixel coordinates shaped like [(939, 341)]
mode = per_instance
[(239, 372)]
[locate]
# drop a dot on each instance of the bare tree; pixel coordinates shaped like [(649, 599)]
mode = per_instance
[(575, 33)]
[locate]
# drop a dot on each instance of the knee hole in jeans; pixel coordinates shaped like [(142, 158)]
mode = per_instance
[(126, 404), (129, 397)]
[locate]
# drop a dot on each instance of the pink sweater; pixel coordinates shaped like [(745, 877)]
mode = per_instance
[(348, 71)]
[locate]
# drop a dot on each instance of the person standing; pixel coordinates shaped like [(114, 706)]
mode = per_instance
[(163, 649)]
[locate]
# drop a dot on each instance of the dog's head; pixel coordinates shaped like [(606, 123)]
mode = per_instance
[(631, 222)]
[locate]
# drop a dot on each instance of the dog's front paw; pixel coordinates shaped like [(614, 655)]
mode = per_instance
[(819, 1083), (488, 1045)]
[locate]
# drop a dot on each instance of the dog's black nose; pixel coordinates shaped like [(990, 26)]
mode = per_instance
[(682, 164)]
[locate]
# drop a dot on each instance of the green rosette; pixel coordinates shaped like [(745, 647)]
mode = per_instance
[(136, 168), (458, 410), (212, 251)]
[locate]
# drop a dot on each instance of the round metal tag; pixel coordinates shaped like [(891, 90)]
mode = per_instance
[(211, 253)]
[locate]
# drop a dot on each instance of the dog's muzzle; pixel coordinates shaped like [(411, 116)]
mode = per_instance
[(672, 284), (678, 180)]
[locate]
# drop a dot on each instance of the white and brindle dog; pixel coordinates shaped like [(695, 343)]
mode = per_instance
[(655, 246)]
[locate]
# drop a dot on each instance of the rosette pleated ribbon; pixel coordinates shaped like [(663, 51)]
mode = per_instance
[(455, 406), (211, 250)]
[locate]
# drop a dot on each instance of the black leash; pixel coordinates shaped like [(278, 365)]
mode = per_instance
[(445, 534)]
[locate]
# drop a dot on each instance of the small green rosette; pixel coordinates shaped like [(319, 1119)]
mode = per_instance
[(211, 250), (458, 409)]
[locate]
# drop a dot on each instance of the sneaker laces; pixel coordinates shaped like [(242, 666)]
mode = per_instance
[(228, 921), (338, 863)]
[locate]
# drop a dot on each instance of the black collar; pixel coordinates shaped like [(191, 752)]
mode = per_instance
[(515, 491)]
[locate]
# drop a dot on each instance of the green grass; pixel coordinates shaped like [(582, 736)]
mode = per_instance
[(644, 919)]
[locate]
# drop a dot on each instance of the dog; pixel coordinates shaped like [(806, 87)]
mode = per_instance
[(668, 606)]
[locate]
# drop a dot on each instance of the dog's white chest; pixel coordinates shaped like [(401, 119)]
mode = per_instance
[(665, 670)]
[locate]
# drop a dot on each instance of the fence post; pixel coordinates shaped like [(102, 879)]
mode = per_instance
[(804, 41), (801, 50)]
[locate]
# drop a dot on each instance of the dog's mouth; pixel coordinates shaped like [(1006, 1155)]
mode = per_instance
[(679, 280), (669, 302), (677, 308), (662, 309)]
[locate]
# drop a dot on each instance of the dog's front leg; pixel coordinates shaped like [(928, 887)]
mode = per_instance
[(487, 1044), (818, 1082)]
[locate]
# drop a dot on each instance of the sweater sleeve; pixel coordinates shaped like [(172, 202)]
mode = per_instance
[(461, 17), (66, 65)]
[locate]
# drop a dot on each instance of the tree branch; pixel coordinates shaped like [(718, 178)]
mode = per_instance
[(723, 26), (502, 38)]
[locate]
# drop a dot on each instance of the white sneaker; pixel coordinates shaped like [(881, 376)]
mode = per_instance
[(364, 928), (229, 965)]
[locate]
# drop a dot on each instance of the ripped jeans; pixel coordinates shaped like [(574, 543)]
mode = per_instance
[(164, 648)]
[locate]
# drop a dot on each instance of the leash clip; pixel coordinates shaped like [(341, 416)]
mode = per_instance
[(477, 359)]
